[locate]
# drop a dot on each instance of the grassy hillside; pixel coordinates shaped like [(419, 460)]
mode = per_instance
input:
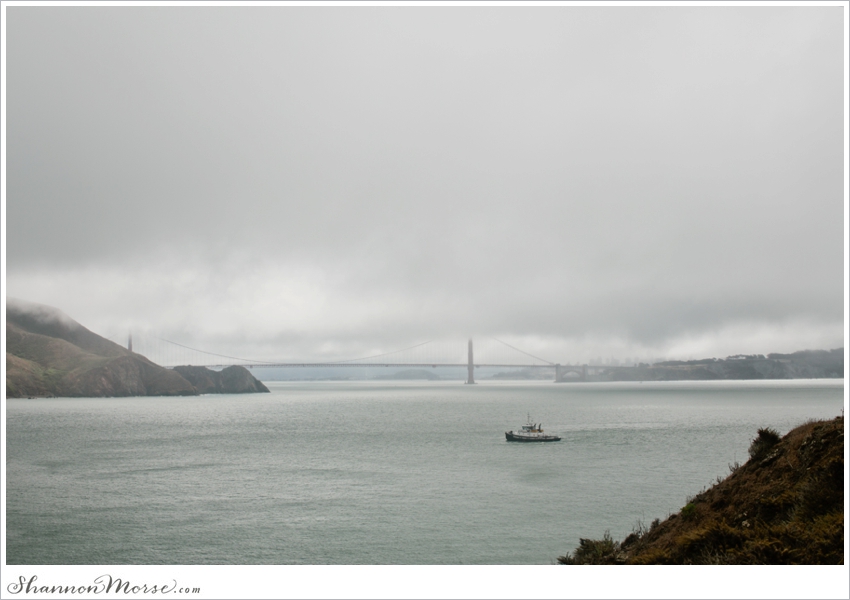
[(50, 354), (784, 506), (27, 378)]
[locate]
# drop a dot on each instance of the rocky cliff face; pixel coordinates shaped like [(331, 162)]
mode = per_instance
[(231, 380), (50, 354)]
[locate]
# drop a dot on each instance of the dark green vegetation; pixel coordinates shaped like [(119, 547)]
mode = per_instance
[(50, 354), (784, 506), (766, 439), (806, 364)]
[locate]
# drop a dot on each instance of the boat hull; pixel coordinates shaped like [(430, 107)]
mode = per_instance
[(511, 437)]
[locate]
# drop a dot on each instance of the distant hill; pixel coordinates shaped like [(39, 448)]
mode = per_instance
[(806, 364), (50, 354), (784, 506), (411, 374)]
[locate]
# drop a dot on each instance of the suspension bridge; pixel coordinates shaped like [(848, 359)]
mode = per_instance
[(491, 353)]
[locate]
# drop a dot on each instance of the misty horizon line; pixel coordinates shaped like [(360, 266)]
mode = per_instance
[(596, 359)]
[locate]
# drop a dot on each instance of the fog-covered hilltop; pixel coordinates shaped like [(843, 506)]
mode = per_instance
[(50, 354)]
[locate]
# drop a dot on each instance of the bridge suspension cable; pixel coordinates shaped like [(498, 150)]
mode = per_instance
[(430, 358), (523, 351), (214, 354), (269, 362), (378, 355)]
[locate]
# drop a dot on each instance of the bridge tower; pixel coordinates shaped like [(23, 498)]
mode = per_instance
[(130, 341), (470, 366)]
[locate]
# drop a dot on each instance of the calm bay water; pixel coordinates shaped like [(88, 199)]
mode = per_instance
[(373, 473)]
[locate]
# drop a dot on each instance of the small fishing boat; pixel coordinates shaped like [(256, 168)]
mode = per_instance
[(530, 432)]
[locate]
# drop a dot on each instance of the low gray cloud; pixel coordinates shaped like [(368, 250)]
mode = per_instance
[(316, 181)]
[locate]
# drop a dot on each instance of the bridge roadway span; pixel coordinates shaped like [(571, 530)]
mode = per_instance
[(560, 370), (433, 365), (471, 365)]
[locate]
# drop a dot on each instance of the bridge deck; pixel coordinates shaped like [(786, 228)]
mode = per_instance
[(424, 365)]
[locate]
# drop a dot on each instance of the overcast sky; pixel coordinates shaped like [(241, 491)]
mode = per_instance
[(322, 182)]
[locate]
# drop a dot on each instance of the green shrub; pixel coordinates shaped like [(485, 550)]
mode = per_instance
[(593, 552), (655, 523), (766, 439)]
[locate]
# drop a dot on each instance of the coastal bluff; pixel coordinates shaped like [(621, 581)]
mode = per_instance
[(784, 506), (48, 354)]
